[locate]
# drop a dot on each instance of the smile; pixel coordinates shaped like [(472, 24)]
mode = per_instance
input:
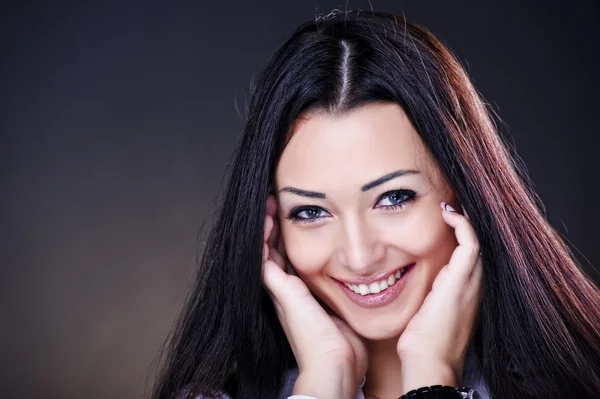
[(378, 286), (376, 291)]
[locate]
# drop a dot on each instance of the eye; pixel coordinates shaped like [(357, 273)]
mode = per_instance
[(396, 199), (306, 214), (389, 201)]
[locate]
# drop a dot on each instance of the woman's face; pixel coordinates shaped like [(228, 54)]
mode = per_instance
[(359, 199)]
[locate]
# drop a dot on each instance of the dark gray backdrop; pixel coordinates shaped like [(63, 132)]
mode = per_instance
[(117, 120)]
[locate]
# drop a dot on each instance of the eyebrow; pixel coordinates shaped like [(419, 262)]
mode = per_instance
[(366, 187)]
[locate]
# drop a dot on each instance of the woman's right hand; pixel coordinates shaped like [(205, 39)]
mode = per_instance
[(331, 357)]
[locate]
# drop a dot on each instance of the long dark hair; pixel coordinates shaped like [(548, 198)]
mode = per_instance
[(539, 311)]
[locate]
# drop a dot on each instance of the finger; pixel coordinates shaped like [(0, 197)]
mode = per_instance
[(353, 338), (462, 262), (272, 213), (274, 237), (268, 227), (271, 278), (276, 256), (476, 278), (286, 289), (265, 277), (280, 245), (276, 243), (440, 278), (477, 273), (466, 253), (351, 335), (465, 234), (266, 251), (270, 236), (270, 252)]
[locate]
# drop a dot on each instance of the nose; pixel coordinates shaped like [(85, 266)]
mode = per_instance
[(360, 249)]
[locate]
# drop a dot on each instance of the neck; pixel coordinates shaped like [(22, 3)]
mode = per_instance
[(385, 370)]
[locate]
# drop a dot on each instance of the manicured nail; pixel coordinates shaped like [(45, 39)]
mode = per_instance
[(447, 207)]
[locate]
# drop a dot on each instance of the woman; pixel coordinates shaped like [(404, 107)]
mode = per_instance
[(372, 202)]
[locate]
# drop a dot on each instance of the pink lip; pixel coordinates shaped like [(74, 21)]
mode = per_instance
[(377, 300), (374, 278)]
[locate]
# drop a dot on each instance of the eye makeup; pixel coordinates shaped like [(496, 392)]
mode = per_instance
[(397, 199)]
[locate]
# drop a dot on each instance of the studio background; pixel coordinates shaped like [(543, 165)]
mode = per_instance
[(118, 119)]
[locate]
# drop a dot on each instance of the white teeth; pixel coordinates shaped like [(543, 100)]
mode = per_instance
[(374, 288), (353, 287), (391, 280), (363, 289)]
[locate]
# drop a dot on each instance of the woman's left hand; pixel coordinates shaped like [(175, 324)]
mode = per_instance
[(433, 346)]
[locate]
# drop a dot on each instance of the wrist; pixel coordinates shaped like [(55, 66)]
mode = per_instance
[(420, 372), (326, 382)]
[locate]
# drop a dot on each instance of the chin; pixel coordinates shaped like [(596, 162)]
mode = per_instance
[(378, 328)]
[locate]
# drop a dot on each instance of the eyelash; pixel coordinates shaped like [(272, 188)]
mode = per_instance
[(411, 196)]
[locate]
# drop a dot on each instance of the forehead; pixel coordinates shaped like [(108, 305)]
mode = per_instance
[(358, 146)]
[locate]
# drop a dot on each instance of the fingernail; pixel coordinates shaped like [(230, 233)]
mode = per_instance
[(447, 207)]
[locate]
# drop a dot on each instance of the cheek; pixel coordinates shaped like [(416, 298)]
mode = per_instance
[(424, 236), (307, 249)]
